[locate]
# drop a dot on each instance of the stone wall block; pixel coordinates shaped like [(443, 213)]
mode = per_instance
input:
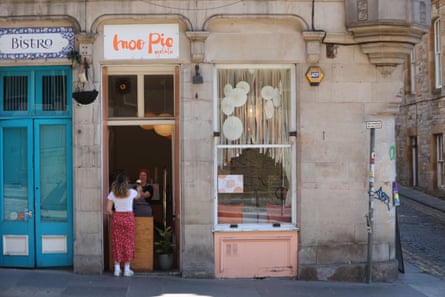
[(90, 199), (86, 245), (198, 250)]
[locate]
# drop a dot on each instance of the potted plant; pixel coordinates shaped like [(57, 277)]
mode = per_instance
[(165, 247)]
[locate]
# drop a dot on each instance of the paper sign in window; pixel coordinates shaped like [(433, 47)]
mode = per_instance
[(230, 183)]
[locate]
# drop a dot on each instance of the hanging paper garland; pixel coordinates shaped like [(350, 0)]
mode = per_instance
[(267, 92), (276, 97), (243, 86), (268, 109), (228, 89), (227, 105), (239, 97)]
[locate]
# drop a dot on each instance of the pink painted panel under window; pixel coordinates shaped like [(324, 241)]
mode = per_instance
[(256, 254)]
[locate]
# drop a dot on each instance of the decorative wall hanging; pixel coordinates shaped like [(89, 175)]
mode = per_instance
[(254, 106), (123, 86), (81, 95)]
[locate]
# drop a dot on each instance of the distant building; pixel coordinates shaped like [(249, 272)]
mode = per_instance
[(254, 119), (420, 125)]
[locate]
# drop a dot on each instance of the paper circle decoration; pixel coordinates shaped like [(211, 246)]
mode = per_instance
[(239, 97), (232, 128), (228, 89), (268, 109), (244, 86), (276, 97), (267, 92), (227, 105)]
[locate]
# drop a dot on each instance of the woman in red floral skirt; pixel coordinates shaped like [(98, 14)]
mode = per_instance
[(122, 223)]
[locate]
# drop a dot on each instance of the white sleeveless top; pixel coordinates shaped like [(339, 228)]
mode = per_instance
[(123, 204)]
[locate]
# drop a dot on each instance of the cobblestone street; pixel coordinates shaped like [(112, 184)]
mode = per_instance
[(422, 233)]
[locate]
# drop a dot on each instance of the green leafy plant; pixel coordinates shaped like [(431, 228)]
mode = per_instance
[(74, 55), (164, 244)]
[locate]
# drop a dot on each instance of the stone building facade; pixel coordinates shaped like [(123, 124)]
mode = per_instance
[(420, 124), (264, 169)]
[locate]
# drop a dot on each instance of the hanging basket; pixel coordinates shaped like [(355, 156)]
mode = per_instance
[(85, 97)]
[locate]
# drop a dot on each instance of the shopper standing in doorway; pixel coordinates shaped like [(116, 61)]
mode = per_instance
[(122, 222)]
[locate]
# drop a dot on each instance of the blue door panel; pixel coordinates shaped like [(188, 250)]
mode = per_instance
[(36, 203), (16, 188), (53, 145)]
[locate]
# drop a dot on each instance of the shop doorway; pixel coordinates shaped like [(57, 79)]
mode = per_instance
[(132, 148), (141, 134)]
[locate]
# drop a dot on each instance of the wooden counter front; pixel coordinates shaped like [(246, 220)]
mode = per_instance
[(143, 261)]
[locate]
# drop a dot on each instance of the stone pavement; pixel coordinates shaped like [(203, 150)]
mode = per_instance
[(421, 219), (52, 283), (423, 198)]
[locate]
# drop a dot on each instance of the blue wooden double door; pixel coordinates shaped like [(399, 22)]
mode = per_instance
[(36, 212)]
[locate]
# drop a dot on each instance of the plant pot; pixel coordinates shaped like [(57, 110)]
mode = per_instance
[(85, 97), (165, 261)]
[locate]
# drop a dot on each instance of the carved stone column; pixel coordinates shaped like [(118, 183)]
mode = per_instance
[(198, 45), (313, 45), (85, 43)]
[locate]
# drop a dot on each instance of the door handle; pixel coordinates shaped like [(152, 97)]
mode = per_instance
[(28, 213)]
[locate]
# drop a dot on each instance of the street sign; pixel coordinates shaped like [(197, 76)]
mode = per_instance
[(374, 124)]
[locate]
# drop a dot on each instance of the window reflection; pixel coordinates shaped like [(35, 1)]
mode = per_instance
[(158, 95), (53, 173), (122, 96), (15, 189)]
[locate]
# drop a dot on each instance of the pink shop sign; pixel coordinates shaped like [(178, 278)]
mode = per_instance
[(148, 41)]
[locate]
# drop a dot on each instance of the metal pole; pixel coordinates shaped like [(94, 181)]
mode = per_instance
[(370, 218)]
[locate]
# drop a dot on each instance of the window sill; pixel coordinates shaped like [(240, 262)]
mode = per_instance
[(254, 227)]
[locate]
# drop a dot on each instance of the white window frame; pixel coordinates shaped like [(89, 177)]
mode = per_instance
[(140, 72), (437, 55), (292, 144)]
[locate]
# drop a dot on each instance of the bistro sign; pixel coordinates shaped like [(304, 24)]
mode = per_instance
[(151, 41), (34, 43)]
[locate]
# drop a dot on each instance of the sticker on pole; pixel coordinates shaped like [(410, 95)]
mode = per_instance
[(374, 125)]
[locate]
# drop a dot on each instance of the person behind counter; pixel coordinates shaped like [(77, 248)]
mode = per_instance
[(142, 207), (122, 223)]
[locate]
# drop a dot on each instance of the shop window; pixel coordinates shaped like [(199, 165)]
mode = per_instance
[(140, 95), (122, 100), (54, 93), (15, 93), (158, 95), (35, 91), (254, 163)]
